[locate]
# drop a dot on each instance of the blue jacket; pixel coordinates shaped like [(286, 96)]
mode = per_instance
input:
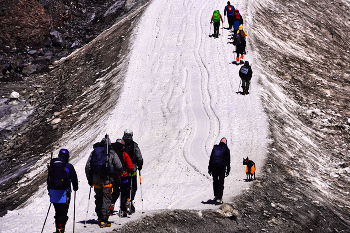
[(233, 10)]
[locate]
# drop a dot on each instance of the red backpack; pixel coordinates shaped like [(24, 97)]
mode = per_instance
[(229, 9), (237, 14)]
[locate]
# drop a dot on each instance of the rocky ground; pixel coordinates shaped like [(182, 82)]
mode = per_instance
[(304, 184), (48, 96)]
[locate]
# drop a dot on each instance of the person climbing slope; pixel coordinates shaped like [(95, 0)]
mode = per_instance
[(216, 19)]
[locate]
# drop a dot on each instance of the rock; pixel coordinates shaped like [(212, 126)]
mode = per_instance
[(32, 52), (14, 95), (55, 121), (56, 38)]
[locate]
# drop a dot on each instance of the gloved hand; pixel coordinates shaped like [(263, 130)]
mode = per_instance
[(90, 183), (227, 171), (139, 167), (210, 173)]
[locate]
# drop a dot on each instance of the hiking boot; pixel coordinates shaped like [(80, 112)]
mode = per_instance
[(111, 209), (61, 230), (123, 214), (105, 224), (219, 201), (215, 198), (132, 208)]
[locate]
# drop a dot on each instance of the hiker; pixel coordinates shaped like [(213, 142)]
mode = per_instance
[(230, 14), (133, 150), (216, 19), (101, 168), (219, 167), (245, 73), (237, 20), (240, 42), (123, 181), (60, 176)]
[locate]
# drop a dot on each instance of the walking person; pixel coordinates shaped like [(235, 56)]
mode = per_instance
[(237, 20), (123, 181), (60, 177), (134, 152), (245, 73), (219, 168), (216, 19), (240, 42), (102, 167), (230, 10)]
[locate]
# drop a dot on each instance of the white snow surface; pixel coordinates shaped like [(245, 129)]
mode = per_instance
[(180, 98)]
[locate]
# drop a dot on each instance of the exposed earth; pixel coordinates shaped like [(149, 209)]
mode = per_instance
[(304, 184)]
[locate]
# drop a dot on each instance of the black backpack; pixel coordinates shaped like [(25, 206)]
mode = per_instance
[(237, 39), (218, 156), (58, 178), (99, 162)]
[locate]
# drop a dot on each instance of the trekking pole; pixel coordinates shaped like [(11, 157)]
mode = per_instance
[(239, 85), (87, 207), (120, 198), (141, 190), (46, 218), (74, 211), (210, 29)]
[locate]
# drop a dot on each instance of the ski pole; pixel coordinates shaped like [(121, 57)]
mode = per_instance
[(46, 218), (87, 207), (141, 189), (74, 211)]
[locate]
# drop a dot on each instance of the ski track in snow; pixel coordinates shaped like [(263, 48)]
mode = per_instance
[(180, 98)]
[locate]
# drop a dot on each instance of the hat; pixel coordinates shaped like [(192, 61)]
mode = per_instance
[(121, 141), (246, 63), (64, 152), (240, 27), (224, 140), (228, 3)]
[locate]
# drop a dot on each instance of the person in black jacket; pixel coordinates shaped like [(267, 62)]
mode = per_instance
[(245, 73), (54, 184), (219, 168)]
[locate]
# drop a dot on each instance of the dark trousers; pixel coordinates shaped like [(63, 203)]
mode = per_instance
[(230, 21), (103, 201), (124, 189), (218, 183), (134, 187), (61, 211), (216, 29)]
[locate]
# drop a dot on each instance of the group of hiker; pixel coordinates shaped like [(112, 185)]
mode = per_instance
[(111, 170), (235, 22)]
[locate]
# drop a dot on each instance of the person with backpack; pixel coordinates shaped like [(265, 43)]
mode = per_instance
[(237, 20), (230, 14), (245, 73), (240, 42), (216, 19), (134, 152), (61, 175), (101, 167), (219, 168), (123, 181)]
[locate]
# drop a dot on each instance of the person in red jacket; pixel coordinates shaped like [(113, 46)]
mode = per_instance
[(124, 180)]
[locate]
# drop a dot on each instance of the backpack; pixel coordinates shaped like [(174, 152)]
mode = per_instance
[(218, 156), (99, 162), (237, 39), (244, 70), (216, 16), (58, 177), (130, 150), (229, 9), (238, 15)]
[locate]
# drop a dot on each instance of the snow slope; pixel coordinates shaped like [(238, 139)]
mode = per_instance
[(180, 98)]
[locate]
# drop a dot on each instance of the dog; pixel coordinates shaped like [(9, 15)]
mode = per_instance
[(250, 169)]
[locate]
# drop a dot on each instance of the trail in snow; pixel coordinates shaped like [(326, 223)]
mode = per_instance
[(180, 99)]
